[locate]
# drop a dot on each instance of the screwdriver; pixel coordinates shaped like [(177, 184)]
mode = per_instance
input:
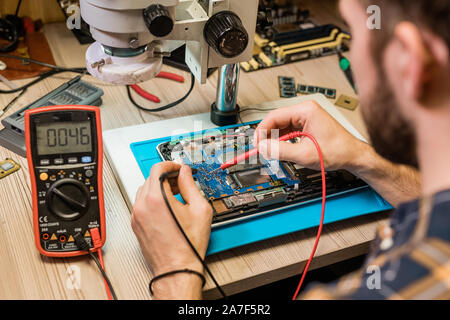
[(344, 64), (254, 152)]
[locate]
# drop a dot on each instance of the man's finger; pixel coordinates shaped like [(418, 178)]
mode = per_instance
[(153, 186), (188, 189), (152, 183), (286, 151)]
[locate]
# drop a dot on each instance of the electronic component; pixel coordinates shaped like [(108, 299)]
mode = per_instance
[(289, 169), (347, 102), (287, 87), (282, 44), (7, 167), (239, 200), (253, 164), (73, 92), (254, 177), (307, 89), (253, 187), (65, 155), (269, 197)]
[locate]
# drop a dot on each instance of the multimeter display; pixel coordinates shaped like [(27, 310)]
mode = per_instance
[(63, 137)]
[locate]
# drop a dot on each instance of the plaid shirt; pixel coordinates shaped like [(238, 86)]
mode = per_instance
[(410, 258)]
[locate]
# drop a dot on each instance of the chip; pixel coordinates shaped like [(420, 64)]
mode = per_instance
[(246, 179), (7, 167), (347, 102)]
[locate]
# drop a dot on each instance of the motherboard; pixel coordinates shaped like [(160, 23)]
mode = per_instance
[(293, 36), (256, 186)]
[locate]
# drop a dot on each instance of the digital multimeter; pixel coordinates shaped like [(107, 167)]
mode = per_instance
[(65, 154)]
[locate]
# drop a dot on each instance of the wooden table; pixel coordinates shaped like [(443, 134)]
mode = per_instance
[(25, 274)]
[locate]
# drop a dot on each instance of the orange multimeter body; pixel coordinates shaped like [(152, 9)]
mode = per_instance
[(65, 158)]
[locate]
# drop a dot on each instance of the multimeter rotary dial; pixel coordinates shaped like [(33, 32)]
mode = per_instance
[(68, 199)]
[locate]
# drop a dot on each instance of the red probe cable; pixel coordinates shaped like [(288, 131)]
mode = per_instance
[(254, 152), (95, 234), (324, 196)]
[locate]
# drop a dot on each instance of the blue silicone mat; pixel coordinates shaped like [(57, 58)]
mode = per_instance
[(306, 215)]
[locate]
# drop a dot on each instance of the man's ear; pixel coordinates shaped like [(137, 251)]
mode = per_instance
[(415, 59)]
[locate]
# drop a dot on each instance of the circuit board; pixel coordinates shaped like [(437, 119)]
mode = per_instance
[(255, 186), (293, 36), (293, 46)]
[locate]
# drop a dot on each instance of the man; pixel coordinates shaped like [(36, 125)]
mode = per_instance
[(403, 75)]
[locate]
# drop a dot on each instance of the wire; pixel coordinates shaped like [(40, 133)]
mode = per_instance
[(252, 109), (170, 105), (84, 246), (324, 195), (42, 76), (18, 8), (44, 64), (162, 178), (11, 103), (100, 267), (107, 287)]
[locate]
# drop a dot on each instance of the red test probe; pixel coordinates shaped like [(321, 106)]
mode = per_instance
[(254, 152)]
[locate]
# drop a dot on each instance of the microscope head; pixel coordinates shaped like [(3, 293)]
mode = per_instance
[(132, 37)]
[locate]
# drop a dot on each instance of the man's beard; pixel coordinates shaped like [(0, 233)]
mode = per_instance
[(391, 135)]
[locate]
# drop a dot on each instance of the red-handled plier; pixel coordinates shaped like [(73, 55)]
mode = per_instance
[(147, 95)]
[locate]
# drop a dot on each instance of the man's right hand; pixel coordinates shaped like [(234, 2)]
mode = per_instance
[(341, 150)]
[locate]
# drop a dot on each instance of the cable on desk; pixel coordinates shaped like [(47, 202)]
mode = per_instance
[(162, 178), (252, 109), (18, 8), (110, 289), (55, 70), (41, 77), (170, 105), (84, 246), (11, 103), (44, 64)]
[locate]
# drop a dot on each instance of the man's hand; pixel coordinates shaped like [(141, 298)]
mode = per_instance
[(341, 150), (162, 243)]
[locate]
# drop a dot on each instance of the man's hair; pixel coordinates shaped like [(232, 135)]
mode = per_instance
[(432, 15)]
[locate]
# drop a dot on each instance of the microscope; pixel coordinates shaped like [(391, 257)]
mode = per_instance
[(132, 37)]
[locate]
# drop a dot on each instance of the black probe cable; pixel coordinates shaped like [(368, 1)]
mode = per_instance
[(99, 265), (162, 178), (84, 246), (170, 105)]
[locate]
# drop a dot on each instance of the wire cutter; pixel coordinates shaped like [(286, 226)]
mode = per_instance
[(147, 95)]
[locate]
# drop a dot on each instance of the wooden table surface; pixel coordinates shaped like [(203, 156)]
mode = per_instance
[(25, 274)]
